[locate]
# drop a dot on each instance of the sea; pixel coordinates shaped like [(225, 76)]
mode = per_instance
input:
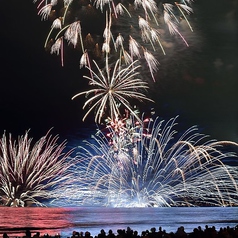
[(63, 221)]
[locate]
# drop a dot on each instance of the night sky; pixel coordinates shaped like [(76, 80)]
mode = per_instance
[(200, 83)]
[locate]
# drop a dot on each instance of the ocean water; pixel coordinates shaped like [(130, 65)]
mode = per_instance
[(64, 221)]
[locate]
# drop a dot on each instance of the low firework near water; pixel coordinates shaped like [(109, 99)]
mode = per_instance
[(151, 165), (31, 173)]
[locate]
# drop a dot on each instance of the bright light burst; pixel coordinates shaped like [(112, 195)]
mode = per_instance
[(112, 88), (127, 33), (82, 23), (138, 162), (31, 173), (152, 165)]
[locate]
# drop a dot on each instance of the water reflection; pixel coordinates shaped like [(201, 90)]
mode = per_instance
[(45, 220), (51, 221)]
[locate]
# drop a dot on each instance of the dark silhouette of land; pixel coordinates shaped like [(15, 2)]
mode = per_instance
[(198, 232)]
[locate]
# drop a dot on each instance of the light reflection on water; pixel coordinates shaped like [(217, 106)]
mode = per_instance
[(45, 220), (93, 219)]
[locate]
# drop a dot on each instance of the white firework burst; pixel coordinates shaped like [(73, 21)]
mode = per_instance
[(113, 89), (148, 166), (31, 173), (129, 18)]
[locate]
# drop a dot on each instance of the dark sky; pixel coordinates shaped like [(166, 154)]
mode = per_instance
[(199, 84), (35, 90)]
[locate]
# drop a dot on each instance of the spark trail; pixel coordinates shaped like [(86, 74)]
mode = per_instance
[(139, 25), (151, 165), (31, 173)]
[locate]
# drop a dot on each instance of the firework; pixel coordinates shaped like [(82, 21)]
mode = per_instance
[(112, 88), (128, 33), (82, 23), (31, 173), (151, 165), (139, 162)]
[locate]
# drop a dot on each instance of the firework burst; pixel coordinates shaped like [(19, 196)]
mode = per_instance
[(31, 173), (148, 166), (140, 20), (141, 163), (112, 89), (128, 33)]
